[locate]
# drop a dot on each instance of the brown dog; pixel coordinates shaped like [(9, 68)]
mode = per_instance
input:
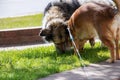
[(92, 19)]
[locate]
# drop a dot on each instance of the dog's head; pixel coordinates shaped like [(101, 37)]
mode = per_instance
[(56, 31)]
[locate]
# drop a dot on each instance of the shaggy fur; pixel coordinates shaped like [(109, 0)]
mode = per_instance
[(54, 23), (93, 19)]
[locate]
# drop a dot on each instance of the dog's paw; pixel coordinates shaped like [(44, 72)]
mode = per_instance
[(110, 60)]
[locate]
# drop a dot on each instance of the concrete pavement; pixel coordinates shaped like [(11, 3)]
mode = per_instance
[(102, 71)]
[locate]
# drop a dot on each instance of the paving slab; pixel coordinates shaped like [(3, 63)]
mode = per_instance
[(102, 71)]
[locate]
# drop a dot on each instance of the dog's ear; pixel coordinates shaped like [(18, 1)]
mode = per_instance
[(44, 32)]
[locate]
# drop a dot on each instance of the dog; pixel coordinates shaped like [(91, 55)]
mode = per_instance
[(54, 23), (95, 19)]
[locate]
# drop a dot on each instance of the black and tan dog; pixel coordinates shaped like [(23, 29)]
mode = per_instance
[(54, 23)]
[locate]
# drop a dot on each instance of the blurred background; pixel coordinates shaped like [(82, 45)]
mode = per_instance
[(10, 8), (22, 13)]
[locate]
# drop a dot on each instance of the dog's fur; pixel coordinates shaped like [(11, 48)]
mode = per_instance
[(54, 23), (93, 19), (55, 16)]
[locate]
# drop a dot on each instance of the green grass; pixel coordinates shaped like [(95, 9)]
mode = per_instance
[(21, 22), (34, 63)]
